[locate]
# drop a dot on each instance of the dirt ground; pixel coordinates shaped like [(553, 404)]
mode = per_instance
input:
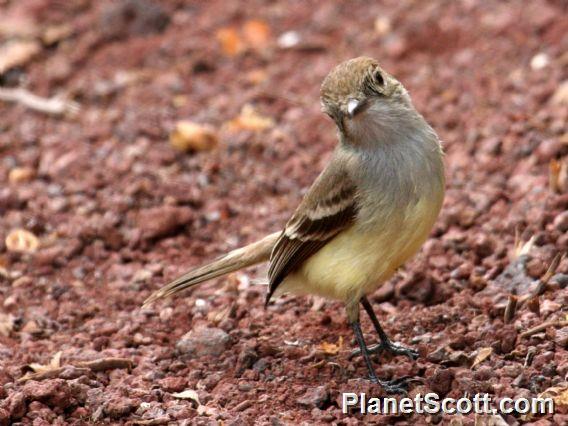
[(99, 206)]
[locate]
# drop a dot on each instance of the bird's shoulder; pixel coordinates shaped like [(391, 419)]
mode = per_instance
[(334, 193)]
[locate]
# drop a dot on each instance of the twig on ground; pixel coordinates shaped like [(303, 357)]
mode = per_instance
[(544, 326), (94, 366), (106, 364), (542, 285), (541, 288), (511, 308), (54, 106)]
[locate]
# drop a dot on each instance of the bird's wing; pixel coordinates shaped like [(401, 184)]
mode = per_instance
[(329, 207)]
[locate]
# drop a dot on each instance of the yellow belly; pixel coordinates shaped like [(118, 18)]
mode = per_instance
[(358, 261)]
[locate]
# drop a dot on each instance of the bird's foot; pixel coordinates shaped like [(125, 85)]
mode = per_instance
[(396, 386), (393, 348)]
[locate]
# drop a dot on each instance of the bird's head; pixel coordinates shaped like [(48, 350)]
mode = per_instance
[(358, 95)]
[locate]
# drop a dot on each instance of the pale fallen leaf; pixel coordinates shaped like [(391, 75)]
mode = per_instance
[(53, 364), (31, 327), (481, 356), (11, 301), (254, 34), (332, 348), (551, 271), (250, 119), (257, 34), (560, 96), (231, 42), (56, 33), (21, 174), (204, 410), (558, 176), (521, 247), (382, 25), (6, 324), (35, 368), (22, 241), (257, 76), (559, 395), (179, 101), (17, 53), (318, 303), (189, 136), (215, 317), (188, 394)]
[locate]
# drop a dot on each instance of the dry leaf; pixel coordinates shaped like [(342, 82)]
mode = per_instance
[(188, 394), (558, 176), (188, 136), (179, 101), (332, 348), (22, 241), (553, 267), (6, 324), (522, 248), (21, 174), (35, 368), (56, 33), (216, 317), (257, 34), (250, 119), (31, 327), (382, 25), (510, 309), (54, 363), (17, 53), (254, 34), (481, 356), (204, 410), (560, 96), (559, 395), (257, 76), (231, 42)]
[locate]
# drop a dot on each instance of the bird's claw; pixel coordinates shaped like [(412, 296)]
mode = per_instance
[(396, 386)]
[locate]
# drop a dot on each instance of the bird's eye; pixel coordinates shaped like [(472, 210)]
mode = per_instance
[(379, 80)]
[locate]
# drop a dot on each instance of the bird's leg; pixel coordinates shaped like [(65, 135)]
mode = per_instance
[(385, 343), (395, 386)]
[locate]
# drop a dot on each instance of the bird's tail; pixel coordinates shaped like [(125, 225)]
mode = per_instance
[(237, 259)]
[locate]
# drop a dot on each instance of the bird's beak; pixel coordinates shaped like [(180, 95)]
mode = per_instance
[(353, 106)]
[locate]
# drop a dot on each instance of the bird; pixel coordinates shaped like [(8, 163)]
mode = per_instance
[(367, 213)]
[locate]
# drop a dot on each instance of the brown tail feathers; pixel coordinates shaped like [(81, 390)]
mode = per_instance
[(252, 254)]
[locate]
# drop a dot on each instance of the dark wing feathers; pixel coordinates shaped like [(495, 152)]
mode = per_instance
[(329, 207)]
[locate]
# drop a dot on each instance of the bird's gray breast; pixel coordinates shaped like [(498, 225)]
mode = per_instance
[(395, 176)]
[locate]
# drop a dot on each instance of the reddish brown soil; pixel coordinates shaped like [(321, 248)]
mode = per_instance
[(119, 212)]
